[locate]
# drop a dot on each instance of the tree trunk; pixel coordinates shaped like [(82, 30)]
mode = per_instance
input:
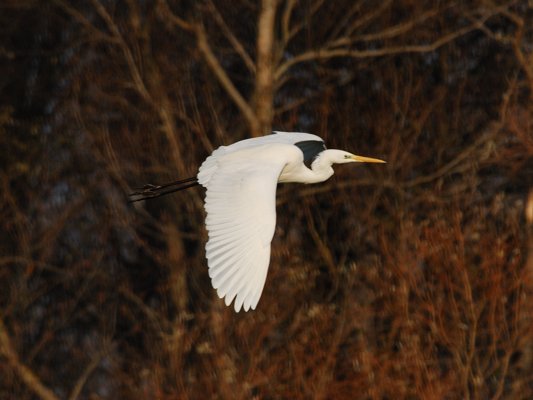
[(264, 85)]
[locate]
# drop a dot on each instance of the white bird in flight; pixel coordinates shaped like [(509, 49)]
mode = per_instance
[(240, 202)]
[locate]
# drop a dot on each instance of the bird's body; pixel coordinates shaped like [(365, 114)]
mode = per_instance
[(240, 202), (278, 147)]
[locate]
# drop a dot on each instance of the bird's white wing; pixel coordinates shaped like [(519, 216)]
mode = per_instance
[(241, 218), (276, 139)]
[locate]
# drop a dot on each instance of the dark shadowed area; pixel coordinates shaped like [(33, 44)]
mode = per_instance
[(406, 280)]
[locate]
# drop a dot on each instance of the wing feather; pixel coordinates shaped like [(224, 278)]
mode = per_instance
[(241, 218), (220, 251), (227, 260)]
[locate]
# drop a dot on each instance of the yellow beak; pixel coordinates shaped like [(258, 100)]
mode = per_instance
[(367, 159)]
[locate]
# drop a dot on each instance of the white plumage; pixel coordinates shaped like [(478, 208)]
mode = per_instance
[(240, 202)]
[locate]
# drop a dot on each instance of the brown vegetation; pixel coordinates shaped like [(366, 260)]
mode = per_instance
[(409, 281)]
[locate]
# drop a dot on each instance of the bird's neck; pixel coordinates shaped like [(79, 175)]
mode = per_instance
[(296, 171), (321, 168)]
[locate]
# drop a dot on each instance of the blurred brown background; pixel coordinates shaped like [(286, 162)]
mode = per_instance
[(410, 280)]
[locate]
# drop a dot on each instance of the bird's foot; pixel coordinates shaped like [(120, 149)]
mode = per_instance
[(146, 190)]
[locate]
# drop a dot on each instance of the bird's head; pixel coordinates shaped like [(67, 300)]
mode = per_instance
[(321, 166), (343, 157)]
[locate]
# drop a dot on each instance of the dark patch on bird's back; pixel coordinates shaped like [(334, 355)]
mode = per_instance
[(311, 149)]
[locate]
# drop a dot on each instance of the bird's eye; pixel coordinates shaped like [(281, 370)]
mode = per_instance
[(346, 156)]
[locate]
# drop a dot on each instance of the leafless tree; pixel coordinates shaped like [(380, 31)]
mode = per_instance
[(412, 281)]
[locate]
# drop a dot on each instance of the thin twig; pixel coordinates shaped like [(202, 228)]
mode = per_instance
[(327, 53), (212, 62), (22, 371), (237, 45), (134, 71), (76, 390), (224, 80)]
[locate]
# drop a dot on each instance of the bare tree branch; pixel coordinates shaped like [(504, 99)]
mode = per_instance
[(387, 33), (76, 390), (225, 81), (457, 161), (22, 371), (324, 54), (264, 85), (212, 62), (84, 21), (163, 106), (286, 20), (165, 13), (237, 45), (345, 20), (30, 262), (287, 32), (365, 19), (134, 71)]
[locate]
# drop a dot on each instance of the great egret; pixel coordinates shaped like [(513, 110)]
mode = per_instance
[(240, 202)]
